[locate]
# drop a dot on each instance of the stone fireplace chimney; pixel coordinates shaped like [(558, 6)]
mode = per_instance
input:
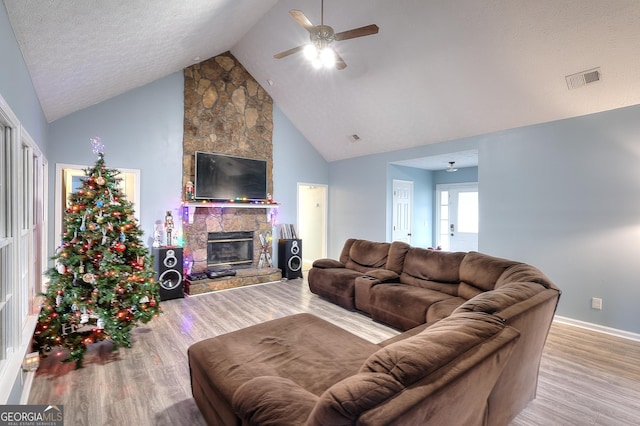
[(225, 111)]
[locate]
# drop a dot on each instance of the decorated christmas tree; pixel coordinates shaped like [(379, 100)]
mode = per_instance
[(102, 283)]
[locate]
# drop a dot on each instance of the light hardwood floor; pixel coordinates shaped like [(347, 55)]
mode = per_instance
[(586, 378)]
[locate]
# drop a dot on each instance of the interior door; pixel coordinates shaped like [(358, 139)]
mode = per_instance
[(402, 208), (458, 216), (312, 222)]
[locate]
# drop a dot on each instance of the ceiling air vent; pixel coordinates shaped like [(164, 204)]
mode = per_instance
[(583, 78)]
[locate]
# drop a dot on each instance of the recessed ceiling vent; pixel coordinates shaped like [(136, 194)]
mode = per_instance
[(354, 138), (583, 78)]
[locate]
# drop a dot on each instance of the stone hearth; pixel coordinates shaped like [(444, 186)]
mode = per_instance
[(242, 278)]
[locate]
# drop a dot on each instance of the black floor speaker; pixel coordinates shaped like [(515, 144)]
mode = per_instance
[(167, 262), (290, 258)]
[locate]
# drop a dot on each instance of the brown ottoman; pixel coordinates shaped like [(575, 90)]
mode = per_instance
[(293, 347)]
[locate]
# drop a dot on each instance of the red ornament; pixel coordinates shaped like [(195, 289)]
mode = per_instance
[(152, 302), (119, 247)]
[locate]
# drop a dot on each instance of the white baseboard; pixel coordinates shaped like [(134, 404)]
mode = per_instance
[(598, 328)]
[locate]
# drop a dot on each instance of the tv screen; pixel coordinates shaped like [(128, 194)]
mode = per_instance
[(224, 177)]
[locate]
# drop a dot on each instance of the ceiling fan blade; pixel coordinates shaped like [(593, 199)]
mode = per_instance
[(340, 63), (301, 19), (357, 32), (288, 52)]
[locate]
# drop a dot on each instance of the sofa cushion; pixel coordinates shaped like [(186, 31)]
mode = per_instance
[(431, 265), (365, 255), (443, 308), (497, 300), (273, 401), (481, 271), (335, 285), (327, 263), (411, 359), (402, 306), (522, 272), (397, 253)]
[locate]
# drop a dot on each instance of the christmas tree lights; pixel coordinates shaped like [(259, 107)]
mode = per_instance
[(102, 282)]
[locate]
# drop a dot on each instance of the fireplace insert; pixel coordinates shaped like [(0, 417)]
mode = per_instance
[(234, 249)]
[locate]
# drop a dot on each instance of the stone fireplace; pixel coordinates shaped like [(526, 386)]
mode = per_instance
[(226, 111)]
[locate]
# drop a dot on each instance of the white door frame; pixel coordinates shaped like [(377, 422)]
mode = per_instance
[(405, 234), (461, 187), (311, 232)]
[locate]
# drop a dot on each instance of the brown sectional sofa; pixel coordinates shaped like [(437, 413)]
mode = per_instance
[(475, 328), (423, 287)]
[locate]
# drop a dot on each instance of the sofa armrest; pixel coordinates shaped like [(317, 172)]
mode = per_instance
[(327, 263), (272, 400), (383, 275)]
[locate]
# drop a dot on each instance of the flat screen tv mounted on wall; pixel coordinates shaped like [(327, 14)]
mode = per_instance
[(225, 177)]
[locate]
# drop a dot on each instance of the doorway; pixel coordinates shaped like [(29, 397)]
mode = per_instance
[(457, 216), (402, 206), (312, 222)]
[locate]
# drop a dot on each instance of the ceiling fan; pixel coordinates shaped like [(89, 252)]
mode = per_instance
[(319, 51)]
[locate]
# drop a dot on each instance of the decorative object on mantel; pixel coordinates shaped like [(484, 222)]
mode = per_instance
[(188, 191), (168, 226), (157, 235)]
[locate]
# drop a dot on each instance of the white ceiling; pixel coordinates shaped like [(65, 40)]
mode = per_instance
[(438, 70)]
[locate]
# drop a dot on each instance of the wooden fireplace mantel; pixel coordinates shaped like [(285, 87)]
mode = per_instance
[(191, 206)]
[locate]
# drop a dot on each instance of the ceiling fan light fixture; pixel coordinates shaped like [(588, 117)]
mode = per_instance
[(328, 57), (316, 63), (310, 52), (451, 168)]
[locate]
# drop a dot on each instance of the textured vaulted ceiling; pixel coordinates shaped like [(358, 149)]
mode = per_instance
[(438, 70)]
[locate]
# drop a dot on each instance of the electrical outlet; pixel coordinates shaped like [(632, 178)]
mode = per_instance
[(596, 303)]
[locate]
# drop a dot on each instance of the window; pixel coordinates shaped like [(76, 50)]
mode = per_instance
[(22, 243), (7, 245)]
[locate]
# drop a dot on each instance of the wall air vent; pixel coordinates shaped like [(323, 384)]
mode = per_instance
[(583, 78)]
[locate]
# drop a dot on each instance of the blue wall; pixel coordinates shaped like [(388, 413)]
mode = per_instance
[(565, 196), (463, 175), (295, 161), (141, 129)]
